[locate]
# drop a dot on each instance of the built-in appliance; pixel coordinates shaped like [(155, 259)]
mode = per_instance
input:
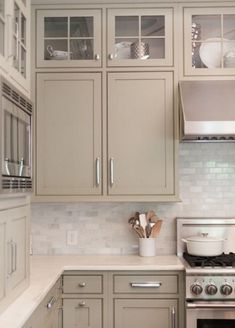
[(207, 110), (210, 281), (15, 146)]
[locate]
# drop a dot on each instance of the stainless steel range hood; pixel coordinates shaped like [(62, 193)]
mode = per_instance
[(207, 110)]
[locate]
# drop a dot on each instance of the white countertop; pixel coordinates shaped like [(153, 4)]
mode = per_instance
[(45, 270)]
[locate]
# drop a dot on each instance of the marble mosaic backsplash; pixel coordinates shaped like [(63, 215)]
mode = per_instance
[(207, 188)]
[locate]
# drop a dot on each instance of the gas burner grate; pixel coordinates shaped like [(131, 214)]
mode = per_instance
[(222, 260)]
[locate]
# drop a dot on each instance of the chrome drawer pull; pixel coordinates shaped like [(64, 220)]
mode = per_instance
[(82, 303), (97, 171), (210, 305), (146, 284), (173, 317), (111, 171), (82, 284), (51, 303)]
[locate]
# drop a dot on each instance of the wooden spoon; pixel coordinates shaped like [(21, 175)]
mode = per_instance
[(156, 229)]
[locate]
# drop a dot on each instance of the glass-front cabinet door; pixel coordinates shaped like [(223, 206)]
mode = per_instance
[(140, 37), (209, 41), (68, 38), (19, 40), (2, 27)]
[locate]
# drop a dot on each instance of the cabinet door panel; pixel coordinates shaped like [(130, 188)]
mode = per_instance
[(68, 134), (140, 133), (146, 313), (140, 37), (3, 250), (19, 227), (82, 313)]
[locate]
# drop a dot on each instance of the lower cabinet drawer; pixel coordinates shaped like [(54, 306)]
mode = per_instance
[(146, 284), (147, 313), (83, 284), (85, 313)]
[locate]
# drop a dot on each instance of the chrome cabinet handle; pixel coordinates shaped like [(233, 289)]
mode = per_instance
[(82, 284), (10, 267), (14, 261), (7, 166), (51, 303), (209, 305), (97, 57), (148, 284), (97, 163), (82, 303), (111, 171), (111, 56), (173, 317), (21, 167)]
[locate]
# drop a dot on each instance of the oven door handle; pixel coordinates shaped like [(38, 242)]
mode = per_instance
[(210, 305)]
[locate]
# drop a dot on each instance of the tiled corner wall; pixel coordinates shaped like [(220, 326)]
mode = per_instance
[(207, 188)]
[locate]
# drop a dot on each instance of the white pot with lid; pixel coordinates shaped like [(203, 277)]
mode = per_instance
[(204, 245)]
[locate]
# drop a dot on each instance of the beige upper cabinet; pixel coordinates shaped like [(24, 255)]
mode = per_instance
[(140, 133), (209, 40), (15, 42), (68, 38), (140, 37), (68, 150)]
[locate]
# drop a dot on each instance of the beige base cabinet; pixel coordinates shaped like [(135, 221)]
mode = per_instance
[(14, 259), (146, 313), (123, 299), (49, 312)]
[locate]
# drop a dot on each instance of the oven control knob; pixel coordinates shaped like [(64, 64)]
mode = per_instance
[(196, 289), (211, 289), (226, 289)]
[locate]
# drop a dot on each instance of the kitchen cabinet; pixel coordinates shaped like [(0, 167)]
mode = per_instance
[(109, 133), (49, 312), (69, 38), (147, 313), (83, 300), (15, 42), (140, 133), (69, 134), (209, 39), (140, 37), (14, 265), (123, 299)]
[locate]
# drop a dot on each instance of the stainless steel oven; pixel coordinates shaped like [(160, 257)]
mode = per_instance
[(209, 281), (210, 314), (16, 145)]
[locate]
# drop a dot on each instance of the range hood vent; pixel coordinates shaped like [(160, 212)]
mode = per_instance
[(207, 110)]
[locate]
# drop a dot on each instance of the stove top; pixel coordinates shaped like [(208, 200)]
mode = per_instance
[(223, 260)]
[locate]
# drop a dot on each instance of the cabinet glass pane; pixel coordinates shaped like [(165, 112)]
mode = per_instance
[(152, 25), (207, 54), (123, 48), (156, 48), (81, 49), (56, 50), (23, 62), (2, 38), (229, 27), (56, 27), (23, 29), (126, 26), (2, 7), (81, 27), (16, 19), (209, 26), (15, 53)]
